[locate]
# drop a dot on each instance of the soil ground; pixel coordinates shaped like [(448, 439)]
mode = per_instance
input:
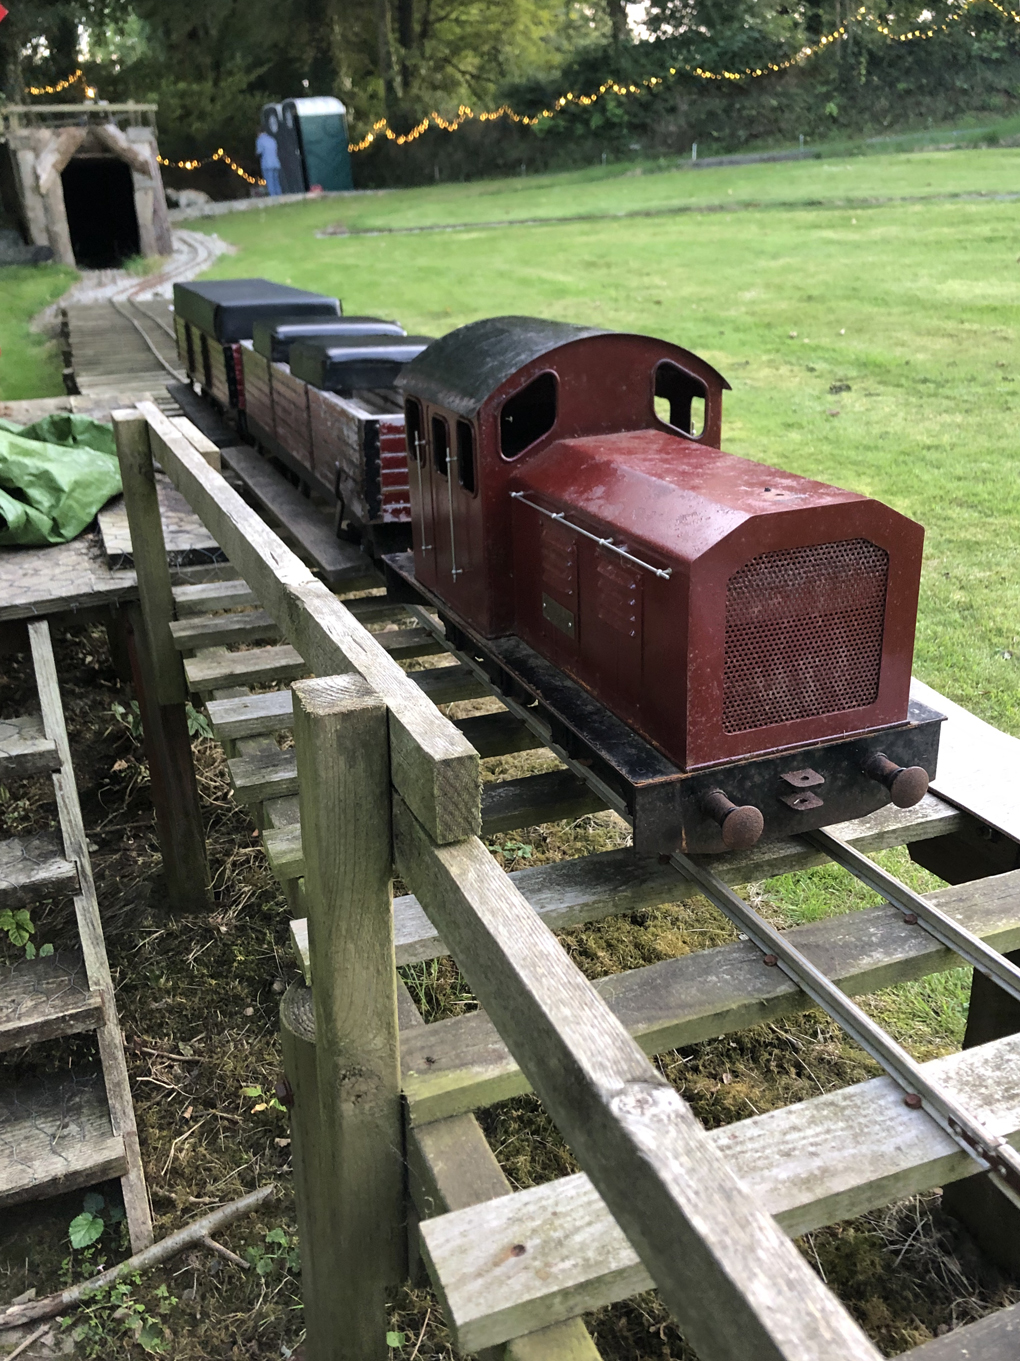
[(199, 998)]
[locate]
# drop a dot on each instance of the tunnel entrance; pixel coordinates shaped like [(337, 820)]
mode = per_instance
[(100, 201)]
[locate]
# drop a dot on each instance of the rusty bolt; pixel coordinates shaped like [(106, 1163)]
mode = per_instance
[(770, 960), (284, 1091), (910, 919), (912, 1100)]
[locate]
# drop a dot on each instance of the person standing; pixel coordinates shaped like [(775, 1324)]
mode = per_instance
[(269, 159)]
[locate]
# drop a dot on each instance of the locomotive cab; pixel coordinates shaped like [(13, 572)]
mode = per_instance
[(499, 392)]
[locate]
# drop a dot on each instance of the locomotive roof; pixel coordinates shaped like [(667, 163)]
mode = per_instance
[(461, 369)]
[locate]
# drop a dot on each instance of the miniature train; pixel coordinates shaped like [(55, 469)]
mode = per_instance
[(726, 648)]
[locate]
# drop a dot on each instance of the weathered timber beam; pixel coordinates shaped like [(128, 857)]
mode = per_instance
[(434, 767), (809, 1164), (611, 883), (995, 1338), (450, 1167), (248, 715), (733, 1281), (462, 1063)]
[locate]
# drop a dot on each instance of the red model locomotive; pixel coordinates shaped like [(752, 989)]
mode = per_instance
[(725, 645)]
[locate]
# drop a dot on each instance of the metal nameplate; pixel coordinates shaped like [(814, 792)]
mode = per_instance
[(560, 617)]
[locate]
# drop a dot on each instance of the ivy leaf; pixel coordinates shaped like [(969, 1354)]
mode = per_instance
[(152, 1338), (44, 950), (394, 1339), (30, 950), (84, 1229), (93, 1202)]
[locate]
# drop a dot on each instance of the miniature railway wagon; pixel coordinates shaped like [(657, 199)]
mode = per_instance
[(336, 425), (211, 320), (725, 646)]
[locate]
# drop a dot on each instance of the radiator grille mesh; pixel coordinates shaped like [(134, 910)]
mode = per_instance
[(804, 633)]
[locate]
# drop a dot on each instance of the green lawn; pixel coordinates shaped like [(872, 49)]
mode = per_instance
[(913, 305), (29, 366)]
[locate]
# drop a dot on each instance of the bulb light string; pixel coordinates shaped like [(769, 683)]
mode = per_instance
[(60, 86), (218, 155), (749, 73), (466, 114)]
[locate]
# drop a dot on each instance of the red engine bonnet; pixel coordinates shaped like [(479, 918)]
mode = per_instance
[(764, 611)]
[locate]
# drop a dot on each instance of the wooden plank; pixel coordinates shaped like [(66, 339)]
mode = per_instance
[(46, 997), (995, 1338), (25, 749), (977, 764), (462, 1063), (154, 587), (197, 440), (285, 853), (272, 712), (734, 1282), (340, 731), (506, 804), (93, 947), (55, 1136), (535, 799), (810, 1164), (433, 766), (497, 734), (34, 867), (611, 883), (309, 526), (451, 1166), (159, 675), (218, 630), (266, 775), (254, 666), (212, 595)]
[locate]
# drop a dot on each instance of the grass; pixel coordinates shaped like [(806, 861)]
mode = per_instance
[(869, 346), (29, 364)]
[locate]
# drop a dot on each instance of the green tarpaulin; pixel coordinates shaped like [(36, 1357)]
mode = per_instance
[(55, 475)]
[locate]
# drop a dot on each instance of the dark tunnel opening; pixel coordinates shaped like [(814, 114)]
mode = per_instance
[(100, 201)]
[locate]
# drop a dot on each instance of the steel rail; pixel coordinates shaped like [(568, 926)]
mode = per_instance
[(174, 373), (148, 315), (989, 1150), (917, 911), (560, 517)]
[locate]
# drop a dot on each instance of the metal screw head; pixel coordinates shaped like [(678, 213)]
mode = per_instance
[(912, 1100), (518, 1250), (910, 919), (770, 960)]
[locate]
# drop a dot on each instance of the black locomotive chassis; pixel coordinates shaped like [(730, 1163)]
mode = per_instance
[(665, 803)]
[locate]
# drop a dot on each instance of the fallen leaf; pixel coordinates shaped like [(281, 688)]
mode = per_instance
[(832, 413), (120, 765)]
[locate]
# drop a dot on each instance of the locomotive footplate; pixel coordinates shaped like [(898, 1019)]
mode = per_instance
[(796, 790)]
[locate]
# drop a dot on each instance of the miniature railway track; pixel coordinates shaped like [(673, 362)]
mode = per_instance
[(121, 345)]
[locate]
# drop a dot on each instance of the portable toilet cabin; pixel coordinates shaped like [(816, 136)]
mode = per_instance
[(319, 126)]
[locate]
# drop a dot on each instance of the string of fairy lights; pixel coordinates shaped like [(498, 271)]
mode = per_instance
[(863, 17), (218, 155)]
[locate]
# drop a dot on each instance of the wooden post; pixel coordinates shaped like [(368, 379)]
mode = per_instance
[(341, 736), (159, 677), (976, 852)]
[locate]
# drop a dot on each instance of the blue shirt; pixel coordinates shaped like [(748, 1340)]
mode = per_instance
[(266, 150)]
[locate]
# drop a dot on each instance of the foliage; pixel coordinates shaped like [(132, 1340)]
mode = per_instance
[(277, 1252), (211, 66), (18, 924)]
